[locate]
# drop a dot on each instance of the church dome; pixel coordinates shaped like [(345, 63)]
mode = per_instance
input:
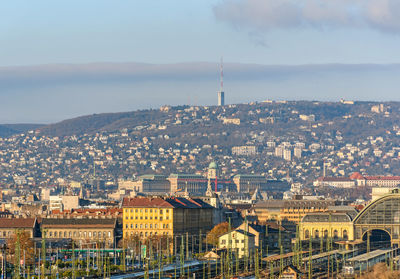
[(213, 165)]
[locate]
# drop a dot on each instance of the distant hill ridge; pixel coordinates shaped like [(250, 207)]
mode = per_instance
[(110, 122)]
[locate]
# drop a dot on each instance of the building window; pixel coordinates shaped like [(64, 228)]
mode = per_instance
[(345, 236), (95, 234), (136, 226), (136, 210), (155, 226), (151, 226), (316, 234), (131, 226), (131, 210), (90, 234), (307, 234), (167, 210), (145, 226), (70, 234), (160, 211), (145, 210), (50, 234), (335, 234), (55, 234), (325, 233), (151, 210), (126, 226), (109, 234)]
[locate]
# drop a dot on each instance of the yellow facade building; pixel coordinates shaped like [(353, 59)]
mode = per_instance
[(145, 216), (291, 210), (338, 226)]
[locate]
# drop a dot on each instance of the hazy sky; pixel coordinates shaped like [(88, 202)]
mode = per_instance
[(266, 32)]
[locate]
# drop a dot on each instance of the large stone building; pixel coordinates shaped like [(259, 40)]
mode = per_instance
[(336, 225), (9, 226), (194, 184), (379, 221), (357, 179), (291, 210), (83, 231), (145, 216), (250, 182)]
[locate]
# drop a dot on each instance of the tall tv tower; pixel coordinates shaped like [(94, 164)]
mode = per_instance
[(221, 94)]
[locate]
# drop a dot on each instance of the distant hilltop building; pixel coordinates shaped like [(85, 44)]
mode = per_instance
[(245, 150), (346, 102), (221, 98), (310, 117), (221, 93), (378, 108), (235, 121)]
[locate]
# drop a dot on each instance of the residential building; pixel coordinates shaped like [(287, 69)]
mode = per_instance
[(82, 230), (246, 150), (239, 241)]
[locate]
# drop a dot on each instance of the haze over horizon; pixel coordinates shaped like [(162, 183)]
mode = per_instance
[(295, 50)]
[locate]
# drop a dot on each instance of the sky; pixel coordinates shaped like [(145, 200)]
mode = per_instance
[(62, 59)]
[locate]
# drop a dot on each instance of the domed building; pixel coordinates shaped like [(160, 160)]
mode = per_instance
[(213, 171)]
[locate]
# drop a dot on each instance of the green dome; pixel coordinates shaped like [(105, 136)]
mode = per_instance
[(213, 165)]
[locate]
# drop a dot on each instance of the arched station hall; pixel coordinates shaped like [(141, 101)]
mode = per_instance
[(380, 221)]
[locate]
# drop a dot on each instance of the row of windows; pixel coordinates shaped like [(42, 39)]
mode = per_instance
[(145, 217), (146, 210), (223, 241), (141, 234), (325, 234), (84, 234), (145, 226)]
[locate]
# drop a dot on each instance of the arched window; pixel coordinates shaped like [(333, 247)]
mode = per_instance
[(316, 234), (335, 234), (325, 233), (345, 236), (307, 234)]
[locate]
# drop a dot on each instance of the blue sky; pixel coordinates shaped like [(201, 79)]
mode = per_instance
[(245, 32)]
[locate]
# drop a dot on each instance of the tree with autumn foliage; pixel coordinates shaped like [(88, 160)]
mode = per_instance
[(25, 243), (216, 232)]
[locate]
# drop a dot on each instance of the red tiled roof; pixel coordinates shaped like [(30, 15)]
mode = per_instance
[(382, 177), (356, 175)]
